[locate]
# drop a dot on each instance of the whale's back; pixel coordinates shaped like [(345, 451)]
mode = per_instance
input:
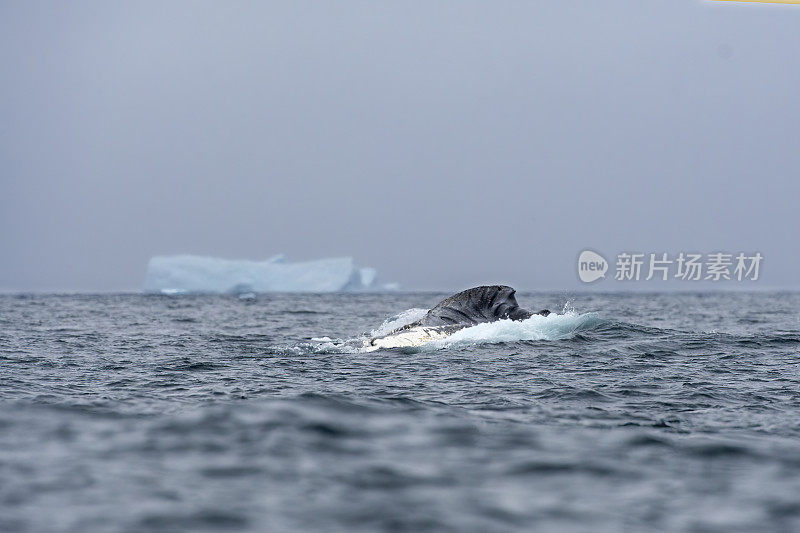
[(474, 306), (477, 305)]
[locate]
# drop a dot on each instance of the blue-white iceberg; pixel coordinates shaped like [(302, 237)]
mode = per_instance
[(181, 274)]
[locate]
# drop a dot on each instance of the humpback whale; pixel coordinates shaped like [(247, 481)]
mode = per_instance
[(477, 305)]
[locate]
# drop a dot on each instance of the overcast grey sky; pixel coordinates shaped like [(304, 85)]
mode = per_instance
[(444, 143)]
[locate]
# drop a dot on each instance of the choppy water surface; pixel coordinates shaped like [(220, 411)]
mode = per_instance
[(150, 413)]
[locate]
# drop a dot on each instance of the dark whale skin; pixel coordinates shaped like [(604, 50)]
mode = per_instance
[(487, 303)]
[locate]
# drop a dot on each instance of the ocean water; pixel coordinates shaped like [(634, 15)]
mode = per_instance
[(628, 412)]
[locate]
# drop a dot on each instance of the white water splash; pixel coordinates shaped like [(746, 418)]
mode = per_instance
[(552, 327), (535, 328), (398, 321)]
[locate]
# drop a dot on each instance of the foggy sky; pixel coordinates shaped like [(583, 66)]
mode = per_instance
[(446, 143)]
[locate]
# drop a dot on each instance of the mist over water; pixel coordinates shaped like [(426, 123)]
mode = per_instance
[(446, 144), (630, 412)]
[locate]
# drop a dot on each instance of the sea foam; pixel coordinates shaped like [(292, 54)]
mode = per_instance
[(551, 328), (535, 328)]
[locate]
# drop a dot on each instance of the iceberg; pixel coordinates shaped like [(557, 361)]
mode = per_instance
[(182, 274)]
